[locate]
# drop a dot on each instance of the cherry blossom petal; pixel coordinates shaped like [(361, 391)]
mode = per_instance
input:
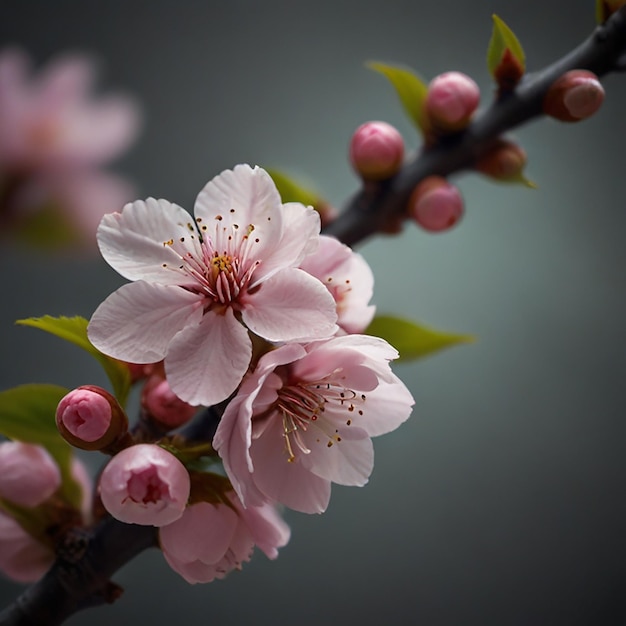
[(289, 483), (203, 533), (386, 408), (137, 322), (132, 242), (345, 462), (97, 132), (290, 306), (301, 227), (268, 529), (205, 363), (237, 199)]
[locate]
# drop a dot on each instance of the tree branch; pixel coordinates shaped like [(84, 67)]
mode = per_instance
[(80, 578), (379, 205)]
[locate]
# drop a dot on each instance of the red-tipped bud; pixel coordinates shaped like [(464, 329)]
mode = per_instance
[(376, 150), (575, 96), (90, 418), (504, 161), (435, 204), (451, 101), (163, 405)]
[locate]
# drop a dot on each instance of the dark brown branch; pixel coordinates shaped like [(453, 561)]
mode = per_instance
[(82, 579), (379, 205)]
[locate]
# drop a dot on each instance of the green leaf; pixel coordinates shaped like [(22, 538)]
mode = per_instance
[(411, 90), (74, 330), (48, 229), (505, 56), (292, 191), (27, 413), (412, 340)]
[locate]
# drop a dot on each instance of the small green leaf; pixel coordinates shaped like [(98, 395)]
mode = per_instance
[(74, 330), (505, 56), (27, 413), (411, 90), (291, 190), (412, 340)]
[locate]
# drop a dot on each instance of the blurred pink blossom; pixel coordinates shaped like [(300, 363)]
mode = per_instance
[(210, 540), (54, 135), (28, 474), (201, 283), (304, 417), (22, 557)]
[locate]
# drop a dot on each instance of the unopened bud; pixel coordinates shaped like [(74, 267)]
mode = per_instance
[(575, 96), (163, 405), (435, 204), (504, 161), (145, 484), (376, 150), (28, 474), (90, 418), (451, 101)]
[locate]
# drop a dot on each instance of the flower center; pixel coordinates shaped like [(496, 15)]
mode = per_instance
[(320, 403), (146, 487), (220, 277)]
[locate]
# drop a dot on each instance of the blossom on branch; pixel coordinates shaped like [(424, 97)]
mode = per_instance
[(304, 418), (349, 279), (201, 284), (210, 540)]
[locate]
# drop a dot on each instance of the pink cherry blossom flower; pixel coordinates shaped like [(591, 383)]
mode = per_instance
[(22, 557), (349, 279), (210, 540), (304, 418), (28, 474), (145, 484), (54, 134), (197, 280)]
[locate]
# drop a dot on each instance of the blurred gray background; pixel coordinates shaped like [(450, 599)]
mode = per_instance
[(501, 502)]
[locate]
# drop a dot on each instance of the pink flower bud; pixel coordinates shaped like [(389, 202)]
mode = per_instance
[(28, 474), (575, 96), (505, 161), (210, 540), (451, 101), (145, 484), (435, 204), (22, 557), (163, 405), (90, 418), (376, 150)]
